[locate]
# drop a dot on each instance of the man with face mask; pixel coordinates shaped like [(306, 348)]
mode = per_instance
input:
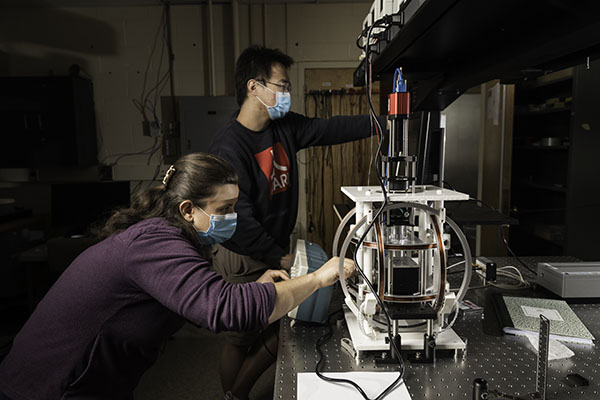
[(261, 143)]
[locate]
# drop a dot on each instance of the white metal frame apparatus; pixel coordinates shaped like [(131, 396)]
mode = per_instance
[(391, 253), (400, 238)]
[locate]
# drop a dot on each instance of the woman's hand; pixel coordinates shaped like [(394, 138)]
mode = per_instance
[(328, 274), (273, 275), (295, 291)]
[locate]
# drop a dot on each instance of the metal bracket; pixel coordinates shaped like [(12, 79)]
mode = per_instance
[(347, 345)]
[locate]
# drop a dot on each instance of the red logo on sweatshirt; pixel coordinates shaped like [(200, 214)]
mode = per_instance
[(275, 164)]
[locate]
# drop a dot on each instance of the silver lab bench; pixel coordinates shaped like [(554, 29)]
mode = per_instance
[(507, 363)]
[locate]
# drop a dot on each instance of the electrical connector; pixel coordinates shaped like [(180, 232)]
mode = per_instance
[(370, 304), (486, 268), (151, 128)]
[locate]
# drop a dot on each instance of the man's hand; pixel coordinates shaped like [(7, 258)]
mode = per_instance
[(273, 275), (328, 274), (286, 262)]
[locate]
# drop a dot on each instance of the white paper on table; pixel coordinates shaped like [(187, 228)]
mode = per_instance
[(311, 387), (556, 350), (534, 312)]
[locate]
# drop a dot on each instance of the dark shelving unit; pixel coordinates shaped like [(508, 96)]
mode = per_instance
[(542, 123), (447, 47), (556, 145)]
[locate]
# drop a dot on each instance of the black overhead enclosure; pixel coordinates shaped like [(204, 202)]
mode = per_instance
[(448, 46)]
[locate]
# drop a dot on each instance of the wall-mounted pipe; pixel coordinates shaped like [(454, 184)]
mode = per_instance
[(211, 44), (235, 10)]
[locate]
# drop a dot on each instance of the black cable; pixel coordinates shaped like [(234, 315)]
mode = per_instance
[(358, 40), (142, 100), (369, 227), (482, 202), (527, 267), (459, 271), (361, 240), (171, 58), (513, 253), (123, 155), (324, 339), (403, 326), (144, 103), (387, 20), (154, 149), (425, 143), (447, 184), (160, 81), (383, 205), (310, 153), (320, 342), (322, 210)]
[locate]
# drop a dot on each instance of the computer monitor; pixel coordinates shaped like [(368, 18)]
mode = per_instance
[(201, 117)]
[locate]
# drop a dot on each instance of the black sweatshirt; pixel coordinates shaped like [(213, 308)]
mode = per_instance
[(268, 177)]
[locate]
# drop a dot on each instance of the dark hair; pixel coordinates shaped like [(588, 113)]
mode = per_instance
[(193, 177), (256, 62)]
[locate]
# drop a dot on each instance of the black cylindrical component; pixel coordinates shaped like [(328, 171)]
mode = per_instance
[(398, 341), (429, 347), (398, 183), (480, 389)]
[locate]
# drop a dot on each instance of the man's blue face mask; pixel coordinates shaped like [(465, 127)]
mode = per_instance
[(221, 229), (282, 103)]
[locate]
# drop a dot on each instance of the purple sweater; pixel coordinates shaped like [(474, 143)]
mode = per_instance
[(103, 323)]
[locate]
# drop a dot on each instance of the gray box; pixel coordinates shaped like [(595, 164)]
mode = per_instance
[(570, 279), (201, 117)]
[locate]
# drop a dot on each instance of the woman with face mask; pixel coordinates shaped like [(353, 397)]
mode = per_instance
[(103, 322), (262, 142)]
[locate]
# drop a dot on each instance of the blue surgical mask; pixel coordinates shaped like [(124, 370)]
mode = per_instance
[(220, 230), (282, 104)]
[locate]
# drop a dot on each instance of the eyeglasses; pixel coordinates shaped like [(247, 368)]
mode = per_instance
[(286, 87)]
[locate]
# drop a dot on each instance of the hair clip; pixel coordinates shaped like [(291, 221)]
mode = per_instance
[(168, 175)]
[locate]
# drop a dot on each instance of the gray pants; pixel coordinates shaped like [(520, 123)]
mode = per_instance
[(236, 268)]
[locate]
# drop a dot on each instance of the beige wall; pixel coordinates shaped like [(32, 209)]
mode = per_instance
[(113, 45)]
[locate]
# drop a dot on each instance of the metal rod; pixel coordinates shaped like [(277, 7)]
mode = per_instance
[(502, 134), (235, 11), (211, 40), (171, 58)]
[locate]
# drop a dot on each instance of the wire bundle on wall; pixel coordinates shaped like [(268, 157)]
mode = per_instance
[(330, 167), (147, 103)]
